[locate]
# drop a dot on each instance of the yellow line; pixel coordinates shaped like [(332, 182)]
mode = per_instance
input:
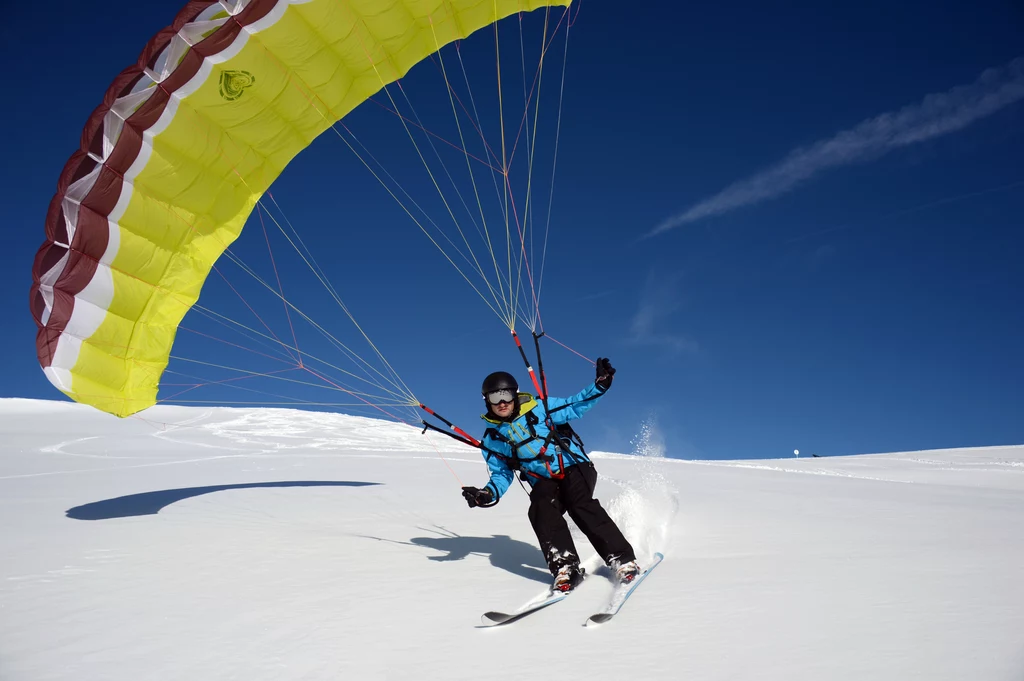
[(330, 288), (533, 146), (234, 385), (504, 168), (317, 326), (271, 376), (479, 270), (297, 403), (554, 164), (418, 224), (469, 167), (305, 354), (412, 139), (341, 304)]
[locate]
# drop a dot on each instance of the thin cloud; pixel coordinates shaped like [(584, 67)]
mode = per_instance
[(821, 255), (658, 303), (936, 115)]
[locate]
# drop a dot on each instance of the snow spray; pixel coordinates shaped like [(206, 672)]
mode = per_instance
[(647, 503)]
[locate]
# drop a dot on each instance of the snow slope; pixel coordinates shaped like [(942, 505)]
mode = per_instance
[(191, 545)]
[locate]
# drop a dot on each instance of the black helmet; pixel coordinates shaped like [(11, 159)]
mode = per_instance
[(499, 380)]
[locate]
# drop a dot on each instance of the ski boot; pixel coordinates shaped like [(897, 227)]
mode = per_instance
[(568, 577), (626, 572)]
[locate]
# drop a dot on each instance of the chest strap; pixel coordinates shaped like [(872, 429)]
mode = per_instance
[(555, 435)]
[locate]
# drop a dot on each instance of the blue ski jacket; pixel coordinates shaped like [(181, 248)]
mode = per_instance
[(516, 444)]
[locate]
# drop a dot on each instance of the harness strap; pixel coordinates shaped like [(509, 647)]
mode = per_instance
[(516, 461)]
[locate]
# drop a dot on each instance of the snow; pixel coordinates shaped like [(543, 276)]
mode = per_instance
[(884, 566)]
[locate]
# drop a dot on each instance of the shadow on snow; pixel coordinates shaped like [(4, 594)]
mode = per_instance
[(519, 558), (151, 503)]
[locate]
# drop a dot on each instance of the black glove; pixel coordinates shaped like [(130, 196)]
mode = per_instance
[(477, 497), (605, 371)]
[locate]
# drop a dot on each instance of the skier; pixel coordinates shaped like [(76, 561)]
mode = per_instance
[(561, 475)]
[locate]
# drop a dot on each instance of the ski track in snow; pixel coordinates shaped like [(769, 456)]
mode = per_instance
[(787, 577)]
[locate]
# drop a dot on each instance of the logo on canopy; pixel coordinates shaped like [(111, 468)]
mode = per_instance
[(234, 83)]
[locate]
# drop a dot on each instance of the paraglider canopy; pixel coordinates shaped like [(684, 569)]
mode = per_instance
[(180, 151)]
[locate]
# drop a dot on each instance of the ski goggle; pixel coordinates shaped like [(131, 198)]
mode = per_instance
[(499, 396)]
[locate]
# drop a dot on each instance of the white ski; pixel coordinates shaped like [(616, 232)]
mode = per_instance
[(493, 618), (621, 593), (541, 601)]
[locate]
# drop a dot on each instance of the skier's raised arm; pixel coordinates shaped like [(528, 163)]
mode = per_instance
[(565, 409)]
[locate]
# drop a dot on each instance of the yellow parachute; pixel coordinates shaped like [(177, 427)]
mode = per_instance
[(182, 148)]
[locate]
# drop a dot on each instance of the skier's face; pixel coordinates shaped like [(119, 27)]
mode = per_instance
[(502, 410)]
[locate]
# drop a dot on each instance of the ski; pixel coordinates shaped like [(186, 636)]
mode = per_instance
[(493, 618), (541, 601), (621, 593)]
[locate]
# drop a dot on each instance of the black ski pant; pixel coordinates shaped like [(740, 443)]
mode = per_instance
[(574, 494)]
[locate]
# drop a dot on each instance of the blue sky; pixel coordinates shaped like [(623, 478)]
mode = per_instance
[(788, 227)]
